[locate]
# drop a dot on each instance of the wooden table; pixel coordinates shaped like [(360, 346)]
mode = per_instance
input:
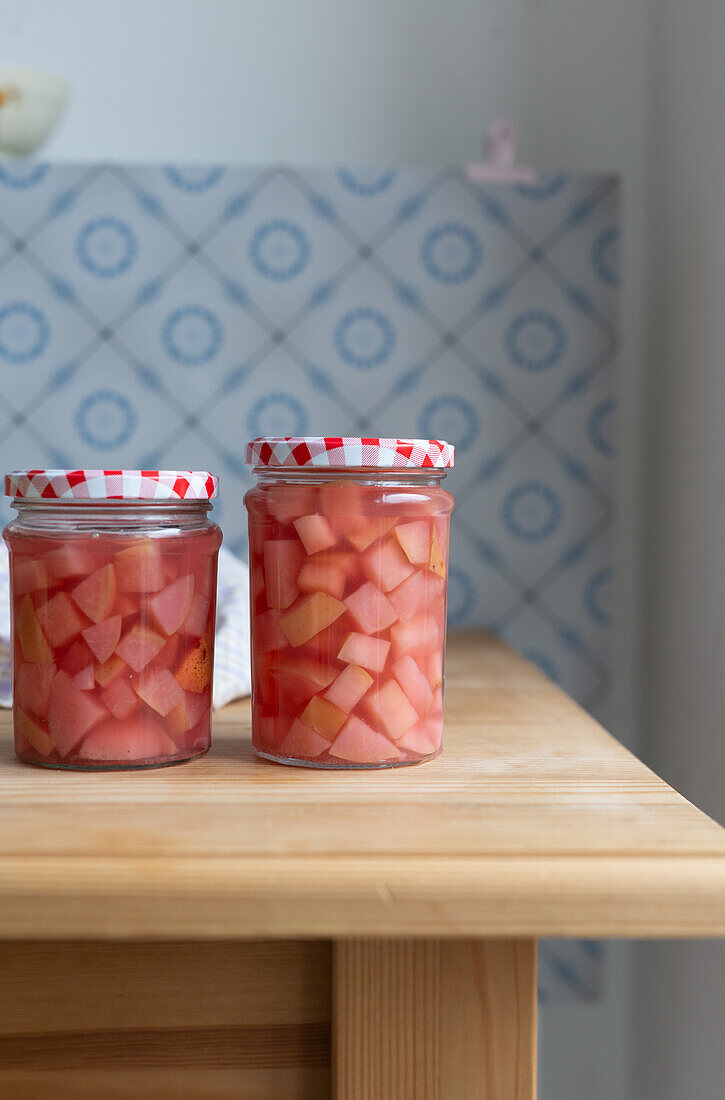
[(232, 928)]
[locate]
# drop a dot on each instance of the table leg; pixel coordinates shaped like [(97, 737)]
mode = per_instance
[(434, 1019)]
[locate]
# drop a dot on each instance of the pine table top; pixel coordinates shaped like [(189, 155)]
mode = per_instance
[(534, 821)]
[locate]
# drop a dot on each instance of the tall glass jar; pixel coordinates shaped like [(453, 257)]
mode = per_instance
[(348, 542), (113, 598)]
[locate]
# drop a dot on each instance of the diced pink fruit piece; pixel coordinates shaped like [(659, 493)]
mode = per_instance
[(434, 726), (126, 604), (371, 530), (370, 653), (140, 568), (139, 738), (74, 559), (311, 615), (267, 732), (302, 743), (29, 576), (187, 713), (96, 594), (76, 657), (299, 678), (347, 560), (435, 668), (33, 643), (204, 575), (60, 619), (414, 539), (418, 633), (268, 634), (419, 739), (315, 533), (171, 607), (30, 735), (414, 683), (437, 705), (160, 690), (287, 502), (342, 504), (438, 554), (85, 680), (110, 670), (390, 709), (196, 620), (120, 698), (371, 609), (282, 562), (360, 744), (139, 646), (102, 638), (385, 564), (316, 577), (31, 688), (416, 595), (348, 688), (71, 713), (198, 739)]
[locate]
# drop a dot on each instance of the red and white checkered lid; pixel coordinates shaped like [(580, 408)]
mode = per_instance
[(111, 485), (352, 452)]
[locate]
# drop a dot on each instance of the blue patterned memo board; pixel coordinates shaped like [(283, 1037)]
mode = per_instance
[(159, 316)]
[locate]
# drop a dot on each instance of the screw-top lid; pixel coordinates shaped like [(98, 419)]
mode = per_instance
[(349, 451), (111, 485)]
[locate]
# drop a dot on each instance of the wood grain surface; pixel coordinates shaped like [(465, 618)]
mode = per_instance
[(534, 821), (173, 1021), (434, 1020)]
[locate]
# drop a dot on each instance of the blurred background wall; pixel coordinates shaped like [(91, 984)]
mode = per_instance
[(681, 988), (630, 85)]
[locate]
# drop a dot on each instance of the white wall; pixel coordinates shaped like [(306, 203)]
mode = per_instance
[(415, 81), (682, 995)]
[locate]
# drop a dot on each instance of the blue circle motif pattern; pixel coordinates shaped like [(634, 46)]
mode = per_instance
[(597, 596), (105, 419), (264, 416), (542, 661), (604, 255), (452, 418), (24, 332), (461, 595), (192, 335), (363, 185), (451, 253), (600, 427), (364, 337), (279, 250), (193, 180), (21, 180), (531, 511), (535, 340), (106, 247)]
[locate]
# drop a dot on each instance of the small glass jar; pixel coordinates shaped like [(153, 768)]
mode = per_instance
[(348, 553), (113, 599)]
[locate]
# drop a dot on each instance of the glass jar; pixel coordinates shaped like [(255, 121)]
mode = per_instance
[(348, 553), (113, 599)]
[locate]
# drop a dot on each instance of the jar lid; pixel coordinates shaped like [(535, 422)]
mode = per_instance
[(111, 485), (350, 451)]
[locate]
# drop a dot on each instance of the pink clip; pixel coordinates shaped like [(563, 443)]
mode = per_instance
[(500, 167)]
